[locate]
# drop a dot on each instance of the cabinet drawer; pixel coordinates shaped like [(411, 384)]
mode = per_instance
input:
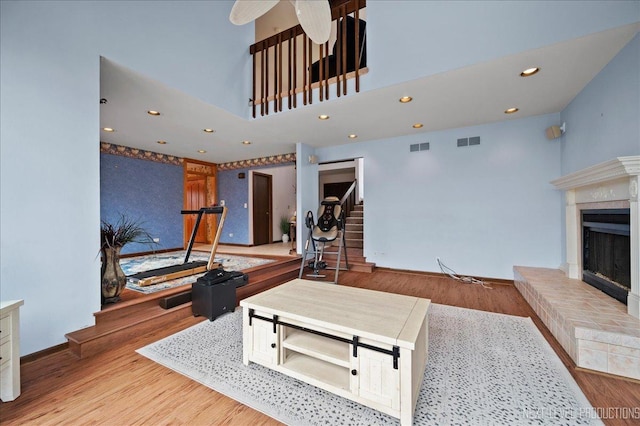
[(5, 326), (5, 353)]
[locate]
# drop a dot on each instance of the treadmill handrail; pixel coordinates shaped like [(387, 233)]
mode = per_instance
[(205, 210)]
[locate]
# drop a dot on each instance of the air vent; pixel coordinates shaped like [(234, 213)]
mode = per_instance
[(419, 147), (474, 140)]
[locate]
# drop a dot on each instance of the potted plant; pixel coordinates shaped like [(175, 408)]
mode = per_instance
[(284, 227), (114, 236)]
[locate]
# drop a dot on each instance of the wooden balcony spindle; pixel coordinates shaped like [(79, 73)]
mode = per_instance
[(266, 79), (309, 65), (253, 99), (280, 85), (289, 71), (344, 49), (304, 74), (326, 71), (357, 31), (295, 70), (321, 73), (262, 78)]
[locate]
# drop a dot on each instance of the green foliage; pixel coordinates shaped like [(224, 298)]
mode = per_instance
[(284, 225), (122, 232)]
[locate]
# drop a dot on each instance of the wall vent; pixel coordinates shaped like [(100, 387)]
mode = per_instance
[(474, 140), (419, 147), (463, 142)]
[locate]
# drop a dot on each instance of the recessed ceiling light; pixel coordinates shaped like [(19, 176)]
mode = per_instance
[(417, 125), (108, 129), (323, 117), (162, 142), (208, 130), (246, 142), (152, 112), (352, 136), (529, 72), (405, 99), (511, 110), (202, 151)]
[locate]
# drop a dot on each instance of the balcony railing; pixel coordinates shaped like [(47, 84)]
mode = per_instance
[(289, 63)]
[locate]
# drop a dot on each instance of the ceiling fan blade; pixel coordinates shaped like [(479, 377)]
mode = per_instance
[(245, 11), (315, 18)]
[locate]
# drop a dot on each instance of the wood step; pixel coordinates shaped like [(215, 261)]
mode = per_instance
[(353, 235), (355, 243), (356, 213), (355, 220), (354, 227), (123, 321), (358, 207)]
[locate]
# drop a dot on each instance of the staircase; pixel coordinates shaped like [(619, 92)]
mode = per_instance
[(121, 321), (354, 237), (354, 227)]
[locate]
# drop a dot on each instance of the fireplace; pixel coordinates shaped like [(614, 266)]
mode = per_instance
[(611, 186), (606, 251)]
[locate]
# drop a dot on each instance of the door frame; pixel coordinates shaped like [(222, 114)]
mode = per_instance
[(252, 206)]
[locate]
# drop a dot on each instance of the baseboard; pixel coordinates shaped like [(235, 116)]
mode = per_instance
[(497, 281), (44, 353), (145, 253)]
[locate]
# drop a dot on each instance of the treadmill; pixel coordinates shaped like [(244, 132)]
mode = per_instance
[(159, 275)]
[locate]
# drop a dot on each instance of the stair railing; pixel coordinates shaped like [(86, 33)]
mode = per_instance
[(348, 200), (283, 63)]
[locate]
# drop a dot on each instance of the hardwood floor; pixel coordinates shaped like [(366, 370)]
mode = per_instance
[(120, 387)]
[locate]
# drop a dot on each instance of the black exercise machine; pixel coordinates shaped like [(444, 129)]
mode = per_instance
[(330, 227), (158, 275)]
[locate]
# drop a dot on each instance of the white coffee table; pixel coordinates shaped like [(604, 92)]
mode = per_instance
[(364, 345)]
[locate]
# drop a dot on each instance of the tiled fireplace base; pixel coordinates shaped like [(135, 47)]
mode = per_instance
[(594, 329)]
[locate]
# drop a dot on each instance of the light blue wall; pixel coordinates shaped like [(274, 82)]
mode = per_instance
[(481, 209), (603, 121), (146, 191), (307, 192), (235, 193), (50, 162), (409, 39)]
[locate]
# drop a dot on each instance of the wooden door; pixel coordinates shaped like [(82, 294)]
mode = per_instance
[(262, 222), (196, 198)]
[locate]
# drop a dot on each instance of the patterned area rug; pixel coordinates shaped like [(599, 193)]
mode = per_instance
[(483, 369), (230, 262)]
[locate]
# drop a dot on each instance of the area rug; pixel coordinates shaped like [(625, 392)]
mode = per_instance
[(230, 262), (483, 369)]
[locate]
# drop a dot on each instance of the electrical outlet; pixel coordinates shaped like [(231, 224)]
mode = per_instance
[(231, 235), (156, 240)]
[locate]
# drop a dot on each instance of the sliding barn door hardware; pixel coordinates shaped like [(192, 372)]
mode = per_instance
[(355, 341)]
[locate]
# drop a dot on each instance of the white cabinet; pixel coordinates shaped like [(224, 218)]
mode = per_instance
[(375, 379), (367, 346), (10, 350), (262, 343)]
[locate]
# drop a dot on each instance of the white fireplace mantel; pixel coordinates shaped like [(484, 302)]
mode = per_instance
[(612, 184)]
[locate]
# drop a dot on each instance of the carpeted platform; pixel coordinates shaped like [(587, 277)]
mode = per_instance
[(483, 369), (230, 262)]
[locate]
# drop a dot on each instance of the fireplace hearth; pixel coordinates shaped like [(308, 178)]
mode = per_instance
[(606, 251)]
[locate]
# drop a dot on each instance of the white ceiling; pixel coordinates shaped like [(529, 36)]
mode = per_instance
[(468, 96)]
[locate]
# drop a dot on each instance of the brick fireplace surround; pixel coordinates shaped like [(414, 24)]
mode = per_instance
[(597, 331)]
